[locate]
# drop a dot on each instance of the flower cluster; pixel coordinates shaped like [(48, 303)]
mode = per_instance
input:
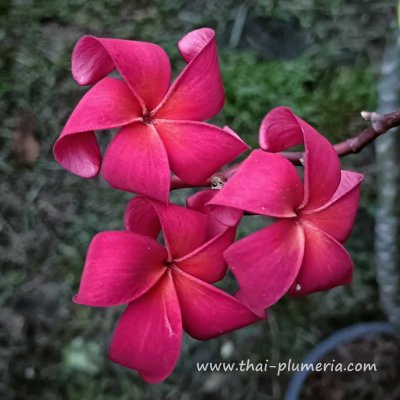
[(165, 261)]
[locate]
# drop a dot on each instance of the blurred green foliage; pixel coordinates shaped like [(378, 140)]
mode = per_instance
[(329, 98), (52, 349)]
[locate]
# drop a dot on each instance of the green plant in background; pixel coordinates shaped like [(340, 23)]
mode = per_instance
[(329, 99)]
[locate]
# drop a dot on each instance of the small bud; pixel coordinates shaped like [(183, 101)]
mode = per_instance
[(216, 182), (366, 115), (377, 121)]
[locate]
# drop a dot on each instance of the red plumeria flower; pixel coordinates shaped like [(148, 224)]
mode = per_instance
[(301, 252), (167, 289), (161, 124)]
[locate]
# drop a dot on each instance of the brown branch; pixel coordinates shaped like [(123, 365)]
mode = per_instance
[(380, 124)]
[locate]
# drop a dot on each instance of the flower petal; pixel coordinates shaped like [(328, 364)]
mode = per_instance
[(141, 217), (184, 230), (198, 92), (219, 217), (119, 267), (148, 336), (336, 218), (207, 262), (199, 200), (226, 215), (266, 263), (145, 67), (326, 263), (107, 105), (208, 312), (136, 161), (265, 184), (196, 150), (282, 129)]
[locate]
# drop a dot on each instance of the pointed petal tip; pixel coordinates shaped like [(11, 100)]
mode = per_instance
[(80, 300), (359, 175), (229, 130), (258, 310)]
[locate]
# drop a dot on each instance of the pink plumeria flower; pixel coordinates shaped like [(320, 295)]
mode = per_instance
[(301, 252), (161, 126), (167, 289)]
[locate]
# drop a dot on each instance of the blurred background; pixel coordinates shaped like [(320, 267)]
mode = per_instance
[(328, 60)]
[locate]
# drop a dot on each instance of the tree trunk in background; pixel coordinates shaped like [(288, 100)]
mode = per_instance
[(386, 226)]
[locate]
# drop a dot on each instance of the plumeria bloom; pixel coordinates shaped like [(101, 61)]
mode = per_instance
[(167, 289), (301, 252), (161, 128)]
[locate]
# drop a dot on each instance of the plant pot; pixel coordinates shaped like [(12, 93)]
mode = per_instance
[(339, 345)]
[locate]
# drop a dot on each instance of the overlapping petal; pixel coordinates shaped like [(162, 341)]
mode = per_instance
[(199, 200), (196, 150), (336, 217), (145, 67), (266, 263), (119, 267), (141, 217), (265, 184), (136, 161), (281, 129), (186, 234), (108, 104), (197, 94), (207, 262), (184, 230), (148, 336), (220, 217), (208, 312), (326, 263)]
